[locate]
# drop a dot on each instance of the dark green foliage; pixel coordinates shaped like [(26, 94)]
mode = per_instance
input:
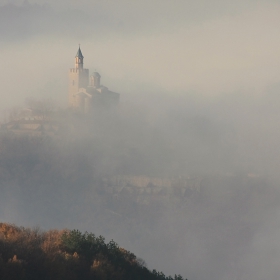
[(85, 244)]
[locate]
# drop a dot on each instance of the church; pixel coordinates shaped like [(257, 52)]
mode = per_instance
[(86, 92)]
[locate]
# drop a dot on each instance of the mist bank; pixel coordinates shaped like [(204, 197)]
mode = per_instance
[(216, 227), (199, 112), (65, 181)]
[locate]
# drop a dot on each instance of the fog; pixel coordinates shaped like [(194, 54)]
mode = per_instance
[(199, 102)]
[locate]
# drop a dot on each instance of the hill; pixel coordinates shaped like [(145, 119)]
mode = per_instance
[(67, 254)]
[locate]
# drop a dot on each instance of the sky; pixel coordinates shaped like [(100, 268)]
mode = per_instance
[(206, 47)]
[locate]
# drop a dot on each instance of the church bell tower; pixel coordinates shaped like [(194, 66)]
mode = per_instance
[(78, 78)]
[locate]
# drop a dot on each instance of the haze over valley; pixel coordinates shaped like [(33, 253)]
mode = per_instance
[(184, 171)]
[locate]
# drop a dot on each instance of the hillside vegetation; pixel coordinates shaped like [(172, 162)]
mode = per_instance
[(67, 254)]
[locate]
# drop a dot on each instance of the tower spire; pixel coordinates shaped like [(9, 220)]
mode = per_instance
[(79, 59)]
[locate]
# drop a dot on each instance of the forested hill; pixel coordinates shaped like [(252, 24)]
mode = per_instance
[(27, 254)]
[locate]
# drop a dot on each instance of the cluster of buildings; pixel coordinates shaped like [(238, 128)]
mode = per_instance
[(85, 94)]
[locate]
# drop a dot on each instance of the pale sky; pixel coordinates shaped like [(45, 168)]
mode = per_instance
[(210, 47)]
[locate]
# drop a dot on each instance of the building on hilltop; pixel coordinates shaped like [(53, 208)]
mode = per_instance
[(86, 92), (41, 117)]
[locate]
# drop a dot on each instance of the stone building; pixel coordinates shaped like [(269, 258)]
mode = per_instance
[(86, 92)]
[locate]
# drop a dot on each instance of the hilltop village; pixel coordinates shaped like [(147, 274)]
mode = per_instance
[(85, 94), (119, 153)]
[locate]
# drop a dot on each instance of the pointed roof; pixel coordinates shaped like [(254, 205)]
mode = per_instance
[(79, 53)]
